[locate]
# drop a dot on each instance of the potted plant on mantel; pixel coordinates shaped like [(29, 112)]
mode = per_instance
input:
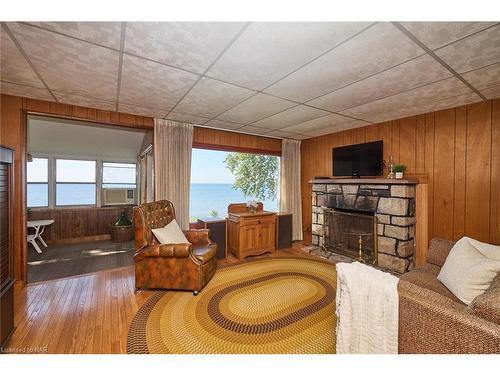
[(399, 170)]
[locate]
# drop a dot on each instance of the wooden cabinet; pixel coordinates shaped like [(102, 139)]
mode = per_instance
[(251, 233), (6, 246)]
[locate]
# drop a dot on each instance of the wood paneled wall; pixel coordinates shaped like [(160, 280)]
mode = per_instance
[(13, 134), (231, 141), (87, 114), (77, 224), (459, 150)]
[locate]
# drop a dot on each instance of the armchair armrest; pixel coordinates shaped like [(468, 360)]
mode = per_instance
[(179, 250), (198, 236)]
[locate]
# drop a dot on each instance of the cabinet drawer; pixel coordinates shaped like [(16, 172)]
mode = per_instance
[(257, 221)]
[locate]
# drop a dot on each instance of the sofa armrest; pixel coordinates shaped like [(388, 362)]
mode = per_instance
[(198, 236), (180, 250), (432, 323)]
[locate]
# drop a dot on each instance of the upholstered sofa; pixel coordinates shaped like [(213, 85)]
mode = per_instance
[(186, 266), (433, 320)]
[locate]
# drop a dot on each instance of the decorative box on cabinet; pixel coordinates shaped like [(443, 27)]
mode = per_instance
[(6, 245), (217, 227), (250, 233)]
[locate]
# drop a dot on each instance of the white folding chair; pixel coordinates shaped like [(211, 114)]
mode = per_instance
[(32, 240)]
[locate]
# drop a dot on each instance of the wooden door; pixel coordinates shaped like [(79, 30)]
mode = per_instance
[(266, 236), (249, 240)]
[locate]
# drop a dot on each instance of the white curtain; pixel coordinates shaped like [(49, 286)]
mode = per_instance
[(290, 198), (173, 142)]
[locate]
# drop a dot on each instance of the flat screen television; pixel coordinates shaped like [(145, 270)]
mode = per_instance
[(364, 159)]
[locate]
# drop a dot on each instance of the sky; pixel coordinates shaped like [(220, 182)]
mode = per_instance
[(207, 166)]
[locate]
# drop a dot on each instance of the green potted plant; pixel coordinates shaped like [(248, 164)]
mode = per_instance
[(399, 169)]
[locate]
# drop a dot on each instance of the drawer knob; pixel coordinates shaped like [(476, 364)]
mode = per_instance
[(259, 221)]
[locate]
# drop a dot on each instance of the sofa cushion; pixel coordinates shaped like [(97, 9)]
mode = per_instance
[(426, 277), (170, 234), (487, 305), (470, 268)]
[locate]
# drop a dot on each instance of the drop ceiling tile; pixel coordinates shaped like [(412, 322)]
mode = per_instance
[(437, 34), (485, 77), (290, 117), (149, 84), (83, 101), (106, 34), (253, 130), (473, 52), (332, 123), (218, 124), (338, 128), (255, 108), (210, 98), (141, 110), (9, 88), (189, 45), (491, 92), (280, 134), (182, 117), (69, 65), (299, 137), (418, 72), (376, 49), (267, 51), (14, 67), (439, 95)]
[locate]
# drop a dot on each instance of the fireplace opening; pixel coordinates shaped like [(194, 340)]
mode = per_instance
[(351, 233)]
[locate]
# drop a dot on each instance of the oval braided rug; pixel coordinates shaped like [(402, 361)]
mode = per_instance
[(274, 305)]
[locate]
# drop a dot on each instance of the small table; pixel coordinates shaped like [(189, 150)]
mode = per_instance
[(39, 226)]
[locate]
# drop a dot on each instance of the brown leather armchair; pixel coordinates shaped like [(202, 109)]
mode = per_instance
[(186, 266)]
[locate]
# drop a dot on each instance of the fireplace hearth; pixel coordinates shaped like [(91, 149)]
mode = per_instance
[(376, 215)]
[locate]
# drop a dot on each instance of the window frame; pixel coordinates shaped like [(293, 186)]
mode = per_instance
[(99, 164), (39, 183), (75, 183), (136, 182)]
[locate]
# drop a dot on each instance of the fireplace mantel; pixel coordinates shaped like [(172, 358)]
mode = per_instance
[(365, 181)]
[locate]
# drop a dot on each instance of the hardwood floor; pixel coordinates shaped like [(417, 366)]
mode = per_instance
[(84, 314), (65, 260)]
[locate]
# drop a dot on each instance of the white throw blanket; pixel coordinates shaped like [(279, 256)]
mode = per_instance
[(367, 310)]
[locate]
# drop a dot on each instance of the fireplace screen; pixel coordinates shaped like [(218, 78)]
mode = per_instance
[(351, 234)]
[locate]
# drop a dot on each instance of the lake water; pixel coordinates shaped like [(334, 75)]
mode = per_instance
[(203, 197), (207, 197)]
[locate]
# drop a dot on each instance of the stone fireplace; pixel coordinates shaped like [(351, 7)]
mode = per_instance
[(371, 217)]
